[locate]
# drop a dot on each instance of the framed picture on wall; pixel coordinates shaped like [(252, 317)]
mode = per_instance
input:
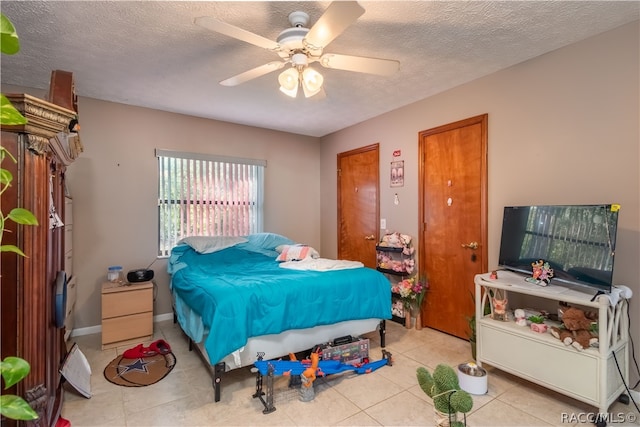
[(397, 173)]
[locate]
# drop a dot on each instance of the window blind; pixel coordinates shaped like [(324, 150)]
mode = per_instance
[(202, 195)]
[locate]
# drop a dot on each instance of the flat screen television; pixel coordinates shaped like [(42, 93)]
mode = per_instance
[(578, 242)]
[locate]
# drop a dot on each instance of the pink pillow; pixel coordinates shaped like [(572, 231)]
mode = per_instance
[(296, 253)]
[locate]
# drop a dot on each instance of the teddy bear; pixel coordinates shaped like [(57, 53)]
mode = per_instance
[(576, 330)]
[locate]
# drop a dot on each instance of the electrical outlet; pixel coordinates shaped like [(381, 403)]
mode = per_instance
[(383, 223)]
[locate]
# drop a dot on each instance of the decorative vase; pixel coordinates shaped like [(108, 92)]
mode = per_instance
[(541, 328), (443, 419), (418, 320), (407, 318)]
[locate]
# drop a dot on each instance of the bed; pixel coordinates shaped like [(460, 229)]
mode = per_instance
[(236, 297)]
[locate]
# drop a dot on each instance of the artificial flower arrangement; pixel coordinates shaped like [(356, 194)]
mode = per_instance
[(411, 291)]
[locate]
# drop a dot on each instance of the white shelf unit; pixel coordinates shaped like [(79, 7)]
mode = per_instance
[(592, 375)]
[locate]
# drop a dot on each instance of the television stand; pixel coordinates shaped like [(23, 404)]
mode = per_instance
[(596, 296), (596, 376)]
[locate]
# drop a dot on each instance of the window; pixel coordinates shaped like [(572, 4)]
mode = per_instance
[(203, 195)]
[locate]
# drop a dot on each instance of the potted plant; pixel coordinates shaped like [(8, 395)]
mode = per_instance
[(12, 369), (537, 323), (449, 399), (472, 335), (471, 321)]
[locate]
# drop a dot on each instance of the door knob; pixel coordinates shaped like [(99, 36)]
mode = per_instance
[(370, 237), (472, 245)]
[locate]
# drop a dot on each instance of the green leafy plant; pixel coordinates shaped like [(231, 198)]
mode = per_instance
[(471, 320), (12, 369), (536, 319), (17, 215), (9, 45)]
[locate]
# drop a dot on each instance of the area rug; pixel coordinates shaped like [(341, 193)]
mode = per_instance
[(139, 372)]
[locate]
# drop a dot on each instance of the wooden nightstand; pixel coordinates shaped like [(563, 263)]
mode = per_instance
[(127, 313)]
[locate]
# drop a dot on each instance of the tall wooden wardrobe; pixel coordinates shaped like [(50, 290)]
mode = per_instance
[(28, 284)]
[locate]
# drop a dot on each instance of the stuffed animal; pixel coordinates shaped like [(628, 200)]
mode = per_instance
[(499, 301), (444, 389), (576, 330), (521, 319), (397, 240)]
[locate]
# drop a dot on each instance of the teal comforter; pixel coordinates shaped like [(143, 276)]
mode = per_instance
[(240, 292)]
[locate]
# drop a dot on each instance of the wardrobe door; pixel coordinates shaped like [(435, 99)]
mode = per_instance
[(29, 282)]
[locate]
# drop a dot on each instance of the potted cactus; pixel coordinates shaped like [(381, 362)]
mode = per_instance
[(448, 398)]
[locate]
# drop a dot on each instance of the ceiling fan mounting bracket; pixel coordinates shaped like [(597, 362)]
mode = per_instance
[(299, 19), (291, 38)]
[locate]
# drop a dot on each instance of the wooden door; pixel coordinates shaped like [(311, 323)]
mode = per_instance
[(453, 206), (358, 208)]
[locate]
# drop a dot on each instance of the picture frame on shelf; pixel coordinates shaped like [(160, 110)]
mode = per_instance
[(397, 309)]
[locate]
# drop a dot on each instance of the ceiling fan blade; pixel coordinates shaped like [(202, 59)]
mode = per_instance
[(360, 64), (338, 16), (238, 33), (253, 73)]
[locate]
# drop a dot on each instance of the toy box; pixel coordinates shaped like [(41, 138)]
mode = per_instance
[(353, 352)]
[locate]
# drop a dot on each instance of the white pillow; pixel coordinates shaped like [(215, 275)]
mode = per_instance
[(296, 252), (268, 241), (209, 244)]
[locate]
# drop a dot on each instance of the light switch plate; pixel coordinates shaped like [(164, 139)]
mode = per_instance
[(383, 223)]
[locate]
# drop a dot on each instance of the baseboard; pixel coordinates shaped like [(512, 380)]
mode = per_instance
[(162, 317), (98, 328), (86, 331)]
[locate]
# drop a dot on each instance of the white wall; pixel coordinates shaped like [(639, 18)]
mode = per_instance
[(563, 128), (114, 185)]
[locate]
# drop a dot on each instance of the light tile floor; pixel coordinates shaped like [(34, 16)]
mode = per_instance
[(389, 396)]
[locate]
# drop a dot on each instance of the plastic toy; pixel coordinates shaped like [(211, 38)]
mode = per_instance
[(542, 273), (308, 370)]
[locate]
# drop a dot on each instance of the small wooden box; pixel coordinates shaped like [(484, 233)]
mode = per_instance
[(127, 313)]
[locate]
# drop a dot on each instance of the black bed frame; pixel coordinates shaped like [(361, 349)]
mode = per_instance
[(216, 371)]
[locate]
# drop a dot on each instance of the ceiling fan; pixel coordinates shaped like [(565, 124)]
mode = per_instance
[(300, 46)]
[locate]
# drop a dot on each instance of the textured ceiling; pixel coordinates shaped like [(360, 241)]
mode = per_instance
[(151, 54)]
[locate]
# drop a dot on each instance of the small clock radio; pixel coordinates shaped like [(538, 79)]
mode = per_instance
[(140, 275)]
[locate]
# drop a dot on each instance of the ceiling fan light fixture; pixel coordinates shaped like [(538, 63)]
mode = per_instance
[(299, 46), (311, 82), (288, 80)]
